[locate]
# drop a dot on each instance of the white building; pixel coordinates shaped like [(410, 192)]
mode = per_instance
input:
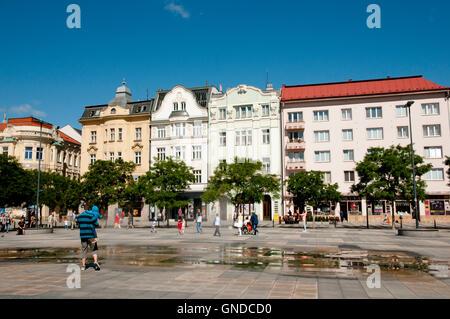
[(330, 127), (179, 128), (245, 123)]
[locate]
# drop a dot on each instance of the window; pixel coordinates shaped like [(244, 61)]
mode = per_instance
[(374, 112), (349, 155), (295, 136), (137, 158), (183, 106), (93, 158), (322, 156), (106, 156), (223, 138), (111, 156), (179, 130), (295, 157), (138, 134), (346, 114), (433, 152), (175, 106), (198, 176), (197, 152), (119, 134), (266, 136), (197, 129), (70, 159), (28, 153), (180, 152), (327, 177), (295, 117), (322, 136), (243, 112), (222, 113), (93, 137), (402, 132), (436, 174), (320, 115), (119, 155), (161, 153), (161, 132), (432, 130), (430, 109), (375, 133), (39, 152), (244, 138), (347, 135), (266, 165), (58, 156), (112, 136), (113, 111), (265, 109), (349, 176), (401, 111), (75, 161)]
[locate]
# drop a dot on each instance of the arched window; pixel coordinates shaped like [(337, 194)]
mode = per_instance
[(113, 111)]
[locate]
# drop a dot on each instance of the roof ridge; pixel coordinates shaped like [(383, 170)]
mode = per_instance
[(358, 81)]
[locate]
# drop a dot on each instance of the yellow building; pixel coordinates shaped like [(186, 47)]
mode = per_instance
[(118, 130)]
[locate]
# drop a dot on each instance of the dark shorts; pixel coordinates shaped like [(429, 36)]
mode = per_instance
[(88, 243)]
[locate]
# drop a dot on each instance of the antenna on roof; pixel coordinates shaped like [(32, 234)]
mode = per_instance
[(4, 118), (267, 77), (147, 94), (206, 82)]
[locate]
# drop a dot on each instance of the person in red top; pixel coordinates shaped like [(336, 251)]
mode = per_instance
[(303, 216), (180, 225), (117, 221)]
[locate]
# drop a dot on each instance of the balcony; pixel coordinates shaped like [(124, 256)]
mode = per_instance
[(295, 166), (293, 126), (295, 145)]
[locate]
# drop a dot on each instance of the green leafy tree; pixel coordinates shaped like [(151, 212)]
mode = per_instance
[(165, 182), (308, 188), (386, 174), (242, 182), (104, 181), (132, 196), (16, 183)]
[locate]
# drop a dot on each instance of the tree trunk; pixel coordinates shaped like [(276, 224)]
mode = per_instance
[(393, 215), (167, 216)]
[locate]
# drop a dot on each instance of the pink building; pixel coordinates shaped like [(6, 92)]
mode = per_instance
[(329, 127)]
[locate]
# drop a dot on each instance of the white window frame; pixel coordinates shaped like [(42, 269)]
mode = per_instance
[(265, 110), (345, 134), (351, 175), (161, 153), (349, 155), (321, 136), (403, 112), (320, 156), (112, 134), (374, 129), (430, 109), (265, 136), (430, 175), (138, 133), (435, 127), (161, 131), (222, 113), (374, 112), (401, 129), (295, 117), (223, 138), (431, 152), (137, 158), (196, 152), (321, 116), (345, 113), (93, 136)]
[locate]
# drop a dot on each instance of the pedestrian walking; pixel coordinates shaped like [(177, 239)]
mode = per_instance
[(217, 223), (122, 217), (199, 221), (183, 225), (50, 221), (8, 222), (304, 220), (117, 221), (21, 227), (153, 230), (130, 220), (2, 222), (66, 223), (238, 224), (72, 220), (88, 236), (254, 221), (179, 225), (342, 216)]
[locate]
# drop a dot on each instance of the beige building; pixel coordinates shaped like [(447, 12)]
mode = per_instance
[(60, 153), (118, 130), (330, 127)]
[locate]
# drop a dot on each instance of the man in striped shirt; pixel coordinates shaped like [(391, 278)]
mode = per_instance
[(87, 221)]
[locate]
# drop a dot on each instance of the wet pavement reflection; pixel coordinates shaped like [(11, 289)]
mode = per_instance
[(340, 263)]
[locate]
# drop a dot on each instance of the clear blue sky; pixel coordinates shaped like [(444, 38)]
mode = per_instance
[(53, 72)]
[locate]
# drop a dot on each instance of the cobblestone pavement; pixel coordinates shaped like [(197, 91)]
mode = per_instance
[(277, 263)]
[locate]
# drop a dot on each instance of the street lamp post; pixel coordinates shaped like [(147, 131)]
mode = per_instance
[(37, 211), (408, 106)]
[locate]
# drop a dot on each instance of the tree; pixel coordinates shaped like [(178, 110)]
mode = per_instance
[(308, 188), (132, 196), (242, 182), (16, 183), (386, 174), (165, 182), (104, 181), (447, 162)]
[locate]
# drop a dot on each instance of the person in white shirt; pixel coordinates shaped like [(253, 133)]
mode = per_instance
[(199, 221), (217, 224)]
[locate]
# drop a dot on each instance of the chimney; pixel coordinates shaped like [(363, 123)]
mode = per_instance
[(4, 118), (220, 87), (269, 87)]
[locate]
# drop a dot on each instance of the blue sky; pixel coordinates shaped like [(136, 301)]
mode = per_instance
[(51, 71)]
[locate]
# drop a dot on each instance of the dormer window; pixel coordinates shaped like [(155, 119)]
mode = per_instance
[(183, 106), (113, 111), (175, 106), (138, 109)]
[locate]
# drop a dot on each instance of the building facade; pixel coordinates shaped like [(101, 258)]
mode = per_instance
[(179, 129), (58, 152), (330, 127), (118, 130), (244, 122)]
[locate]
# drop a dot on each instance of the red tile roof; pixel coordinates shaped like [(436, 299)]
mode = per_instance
[(28, 121), (358, 88), (3, 126), (68, 138)]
